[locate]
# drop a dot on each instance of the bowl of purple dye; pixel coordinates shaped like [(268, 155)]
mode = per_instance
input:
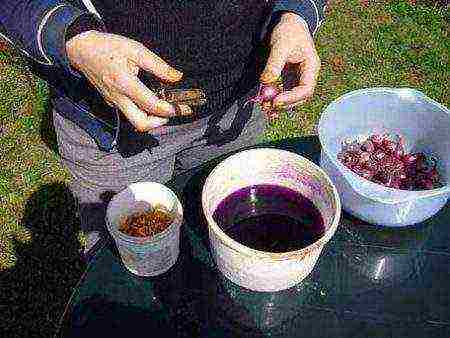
[(269, 212)]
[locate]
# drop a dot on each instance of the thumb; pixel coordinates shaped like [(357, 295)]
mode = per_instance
[(152, 63), (275, 64)]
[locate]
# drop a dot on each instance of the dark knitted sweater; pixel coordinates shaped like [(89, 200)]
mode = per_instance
[(213, 42)]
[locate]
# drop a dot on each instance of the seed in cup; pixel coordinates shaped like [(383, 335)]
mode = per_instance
[(147, 223)]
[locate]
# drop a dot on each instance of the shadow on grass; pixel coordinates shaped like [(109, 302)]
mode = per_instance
[(36, 289), (47, 129), (52, 79)]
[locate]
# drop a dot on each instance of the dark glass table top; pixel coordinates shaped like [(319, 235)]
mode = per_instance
[(369, 281)]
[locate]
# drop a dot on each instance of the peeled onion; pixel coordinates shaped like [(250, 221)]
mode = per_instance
[(268, 92), (383, 160), (389, 146), (409, 159), (377, 140), (265, 97)]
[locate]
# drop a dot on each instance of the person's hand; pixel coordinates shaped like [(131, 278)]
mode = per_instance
[(292, 44), (111, 63)]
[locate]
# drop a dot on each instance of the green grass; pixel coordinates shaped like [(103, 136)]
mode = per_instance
[(389, 44)]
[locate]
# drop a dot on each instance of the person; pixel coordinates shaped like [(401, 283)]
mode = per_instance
[(104, 61)]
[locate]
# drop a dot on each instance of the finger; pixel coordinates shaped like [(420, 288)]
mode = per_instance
[(294, 105), (310, 70), (139, 119), (294, 97), (275, 63), (146, 99), (152, 63)]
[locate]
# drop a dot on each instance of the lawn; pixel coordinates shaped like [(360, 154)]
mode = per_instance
[(361, 44)]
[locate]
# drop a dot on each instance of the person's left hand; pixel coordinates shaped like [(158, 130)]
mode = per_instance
[(291, 43)]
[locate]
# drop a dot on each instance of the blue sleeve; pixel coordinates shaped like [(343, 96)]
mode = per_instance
[(38, 28), (312, 11)]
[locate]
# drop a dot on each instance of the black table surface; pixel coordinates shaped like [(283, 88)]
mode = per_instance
[(369, 281)]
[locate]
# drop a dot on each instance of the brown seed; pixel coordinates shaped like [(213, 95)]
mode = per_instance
[(146, 224)]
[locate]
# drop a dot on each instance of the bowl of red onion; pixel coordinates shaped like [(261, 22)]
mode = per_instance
[(387, 152)]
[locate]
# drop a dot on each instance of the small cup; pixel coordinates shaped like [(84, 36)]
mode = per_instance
[(146, 256)]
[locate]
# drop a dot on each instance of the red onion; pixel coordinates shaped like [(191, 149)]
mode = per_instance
[(400, 150), (356, 168), (362, 172), (351, 159), (426, 184), (398, 153), (373, 165), (382, 176), (376, 140), (384, 161), (408, 184), (268, 92), (409, 159), (390, 160), (398, 166), (396, 184), (378, 154), (421, 162), (265, 97), (368, 146), (434, 175), (389, 146)]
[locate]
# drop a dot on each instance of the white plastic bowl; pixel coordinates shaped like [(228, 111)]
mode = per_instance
[(424, 123), (258, 270)]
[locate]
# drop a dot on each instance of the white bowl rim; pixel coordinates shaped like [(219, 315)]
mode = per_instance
[(253, 253), (149, 239)]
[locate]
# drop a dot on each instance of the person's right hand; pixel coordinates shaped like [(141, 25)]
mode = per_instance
[(111, 63)]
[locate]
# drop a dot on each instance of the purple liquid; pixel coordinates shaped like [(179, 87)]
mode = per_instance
[(270, 218)]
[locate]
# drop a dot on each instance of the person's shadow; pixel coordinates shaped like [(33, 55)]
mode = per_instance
[(34, 292), (47, 129)]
